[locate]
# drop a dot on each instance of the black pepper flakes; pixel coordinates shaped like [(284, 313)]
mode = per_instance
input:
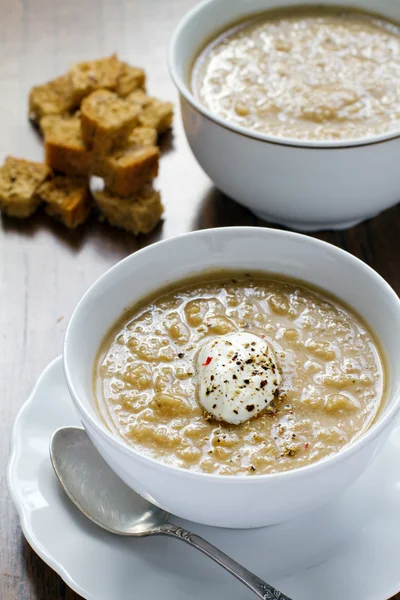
[(181, 355), (250, 407)]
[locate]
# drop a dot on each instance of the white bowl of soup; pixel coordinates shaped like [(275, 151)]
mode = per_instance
[(294, 111), (237, 377)]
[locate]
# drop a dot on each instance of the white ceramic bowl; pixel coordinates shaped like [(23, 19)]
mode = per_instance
[(232, 501), (303, 185)]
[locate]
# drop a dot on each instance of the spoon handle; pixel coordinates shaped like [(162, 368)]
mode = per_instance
[(255, 584)]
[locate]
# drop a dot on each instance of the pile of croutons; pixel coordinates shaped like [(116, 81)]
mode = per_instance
[(96, 120)]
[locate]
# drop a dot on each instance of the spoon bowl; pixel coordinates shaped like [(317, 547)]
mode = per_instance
[(107, 501), (97, 491)]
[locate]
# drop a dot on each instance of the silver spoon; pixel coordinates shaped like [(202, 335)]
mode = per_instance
[(107, 501)]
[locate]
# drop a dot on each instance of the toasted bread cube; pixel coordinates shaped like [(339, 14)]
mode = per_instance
[(19, 182), (65, 149), (105, 73), (91, 75), (157, 114), (124, 173), (139, 213), (154, 113), (127, 169), (139, 97), (143, 136), (52, 98), (67, 199), (106, 120), (129, 79)]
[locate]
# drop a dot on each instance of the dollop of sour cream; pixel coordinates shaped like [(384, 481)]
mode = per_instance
[(238, 376)]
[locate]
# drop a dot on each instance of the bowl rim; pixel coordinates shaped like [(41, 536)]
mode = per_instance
[(184, 89), (121, 446)]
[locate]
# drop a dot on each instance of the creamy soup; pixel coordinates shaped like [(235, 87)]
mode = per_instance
[(328, 380), (306, 73)]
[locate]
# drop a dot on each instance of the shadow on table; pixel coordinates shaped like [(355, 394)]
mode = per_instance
[(166, 142), (218, 210), (376, 241), (93, 232)]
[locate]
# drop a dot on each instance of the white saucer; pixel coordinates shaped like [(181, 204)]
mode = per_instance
[(348, 550)]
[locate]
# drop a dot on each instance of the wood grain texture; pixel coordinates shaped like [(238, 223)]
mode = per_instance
[(45, 269)]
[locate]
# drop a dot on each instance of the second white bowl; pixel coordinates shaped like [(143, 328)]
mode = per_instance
[(303, 185)]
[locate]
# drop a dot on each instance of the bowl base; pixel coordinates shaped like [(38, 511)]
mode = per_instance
[(309, 227)]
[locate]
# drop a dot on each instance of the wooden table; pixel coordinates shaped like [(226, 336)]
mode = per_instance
[(45, 269)]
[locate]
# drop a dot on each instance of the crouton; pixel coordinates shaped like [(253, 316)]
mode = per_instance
[(19, 182), (52, 98), (142, 136), (106, 120), (65, 149), (139, 213), (129, 79), (153, 113), (105, 73), (91, 75), (67, 199), (127, 169)]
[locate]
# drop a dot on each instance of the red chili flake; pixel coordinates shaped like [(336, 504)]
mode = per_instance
[(208, 360), (262, 335), (306, 446)]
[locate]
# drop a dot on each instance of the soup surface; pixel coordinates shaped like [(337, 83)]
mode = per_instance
[(331, 375), (310, 74)]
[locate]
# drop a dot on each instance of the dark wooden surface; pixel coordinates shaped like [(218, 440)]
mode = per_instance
[(45, 269)]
